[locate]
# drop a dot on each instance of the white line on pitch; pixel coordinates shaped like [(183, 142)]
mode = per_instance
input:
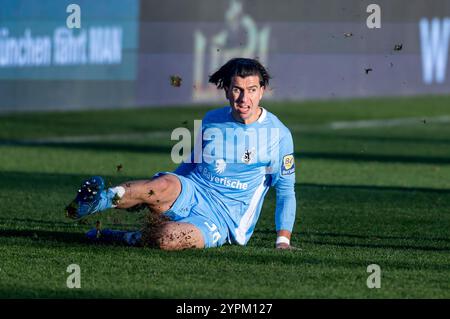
[(96, 138), (166, 134), (375, 123)]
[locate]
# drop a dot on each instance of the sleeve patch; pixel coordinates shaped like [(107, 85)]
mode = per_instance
[(288, 166)]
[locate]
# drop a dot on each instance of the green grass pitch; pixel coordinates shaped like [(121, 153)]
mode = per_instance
[(369, 195)]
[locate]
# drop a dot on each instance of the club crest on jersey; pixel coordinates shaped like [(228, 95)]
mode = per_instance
[(288, 166), (248, 156), (220, 166)]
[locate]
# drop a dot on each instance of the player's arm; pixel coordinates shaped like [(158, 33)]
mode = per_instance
[(286, 203)]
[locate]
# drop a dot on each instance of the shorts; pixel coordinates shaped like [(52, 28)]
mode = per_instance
[(195, 205)]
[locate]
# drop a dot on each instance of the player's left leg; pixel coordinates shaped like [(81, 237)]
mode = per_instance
[(176, 236), (112, 236), (166, 236), (193, 223), (194, 231)]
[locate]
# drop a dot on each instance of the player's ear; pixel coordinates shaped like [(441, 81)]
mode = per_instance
[(261, 92), (226, 90)]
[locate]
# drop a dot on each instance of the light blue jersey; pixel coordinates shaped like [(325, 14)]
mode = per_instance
[(237, 165)]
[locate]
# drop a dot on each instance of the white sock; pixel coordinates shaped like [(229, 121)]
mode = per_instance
[(119, 191)]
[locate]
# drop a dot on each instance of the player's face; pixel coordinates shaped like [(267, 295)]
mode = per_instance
[(244, 95)]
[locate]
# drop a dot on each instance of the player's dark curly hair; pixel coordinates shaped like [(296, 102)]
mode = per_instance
[(239, 67)]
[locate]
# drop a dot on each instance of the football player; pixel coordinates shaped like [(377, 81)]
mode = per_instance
[(215, 197)]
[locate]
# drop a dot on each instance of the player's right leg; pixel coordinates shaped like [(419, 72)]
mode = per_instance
[(158, 194)]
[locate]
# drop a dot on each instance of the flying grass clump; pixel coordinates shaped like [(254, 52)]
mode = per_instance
[(151, 229)]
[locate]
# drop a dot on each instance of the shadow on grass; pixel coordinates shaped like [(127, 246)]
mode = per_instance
[(306, 236), (159, 149), (50, 223), (79, 238), (378, 246), (323, 259), (32, 181), (358, 157), (373, 138), (38, 180), (60, 224), (375, 188), (244, 256), (366, 241), (376, 237), (45, 236), (36, 235), (58, 182), (93, 146)]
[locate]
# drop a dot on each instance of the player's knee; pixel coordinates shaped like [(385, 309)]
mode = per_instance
[(172, 238), (168, 237), (157, 193), (164, 183)]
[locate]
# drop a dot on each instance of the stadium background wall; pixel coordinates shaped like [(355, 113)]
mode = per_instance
[(126, 50)]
